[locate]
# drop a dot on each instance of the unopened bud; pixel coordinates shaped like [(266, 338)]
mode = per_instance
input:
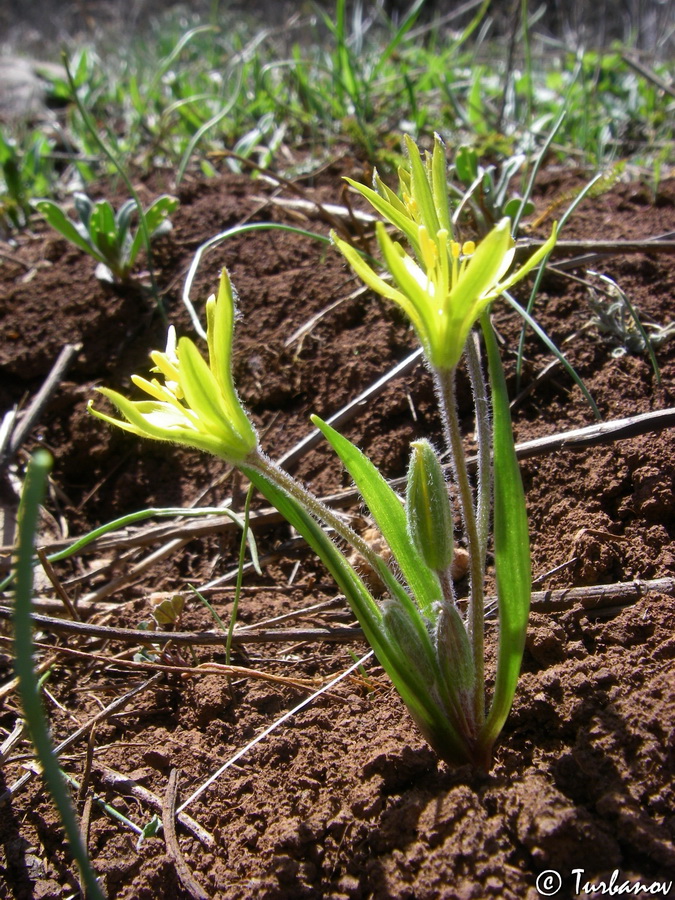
[(428, 510), (454, 655), (407, 643)]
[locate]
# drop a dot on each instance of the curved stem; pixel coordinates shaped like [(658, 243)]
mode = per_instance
[(315, 507), (445, 383)]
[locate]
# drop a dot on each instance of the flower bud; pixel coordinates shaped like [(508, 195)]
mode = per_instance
[(406, 642), (453, 651), (428, 510)]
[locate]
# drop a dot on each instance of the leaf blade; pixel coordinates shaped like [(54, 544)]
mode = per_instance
[(389, 514)]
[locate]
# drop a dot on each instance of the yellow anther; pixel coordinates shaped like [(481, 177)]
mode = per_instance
[(428, 249), (411, 205), (468, 248), (456, 250)]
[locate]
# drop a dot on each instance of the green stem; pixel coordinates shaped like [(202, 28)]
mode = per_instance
[(482, 407), (314, 506), (447, 585), (240, 576), (445, 383)]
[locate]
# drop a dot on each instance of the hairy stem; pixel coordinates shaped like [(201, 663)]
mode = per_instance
[(483, 436), (445, 383), (315, 507)]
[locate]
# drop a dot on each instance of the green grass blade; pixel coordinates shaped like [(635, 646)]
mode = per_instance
[(240, 576), (140, 516), (29, 512), (389, 514), (202, 130), (511, 549), (409, 20), (541, 334), (537, 281), (222, 236)]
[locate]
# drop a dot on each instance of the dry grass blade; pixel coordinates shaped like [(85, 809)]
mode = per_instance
[(267, 731), (592, 251), (578, 438), (204, 669), (136, 570), (34, 411), (56, 584), (648, 74), (323, 210)]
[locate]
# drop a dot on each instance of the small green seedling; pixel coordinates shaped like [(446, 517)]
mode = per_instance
[(108, 236), (486, 190), (23, 173), (430, 643), (616, 317)]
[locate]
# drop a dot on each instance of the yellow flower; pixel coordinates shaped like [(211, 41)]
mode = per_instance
[(444, 287), (197, 404)]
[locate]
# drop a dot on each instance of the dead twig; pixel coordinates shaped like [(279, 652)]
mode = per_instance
[(592, 251), (579, 438), (13, 258), (587, 597), (203, 669), (110, 710), (8, 744), (617, 248), (128, 787), (186, 877), (56, 584), (36, 408), (135, 571), (649, 74), (322, 210)]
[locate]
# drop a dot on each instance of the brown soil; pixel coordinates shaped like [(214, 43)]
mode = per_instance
[(345, 799)]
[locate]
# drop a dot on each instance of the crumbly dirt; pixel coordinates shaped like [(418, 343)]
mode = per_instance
[(345, 799)]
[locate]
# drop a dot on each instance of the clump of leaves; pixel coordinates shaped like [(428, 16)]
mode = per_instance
[(486, 190), (109, 236)]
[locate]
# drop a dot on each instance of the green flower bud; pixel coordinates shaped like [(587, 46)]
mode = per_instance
[(428, 510), (406, 643), (455, 659)]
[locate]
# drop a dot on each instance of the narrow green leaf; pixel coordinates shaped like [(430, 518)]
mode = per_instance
[(29, 512), (389, 514), (391, 213), (56, 217), (511, 549), (421, 189), (541, 334)]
